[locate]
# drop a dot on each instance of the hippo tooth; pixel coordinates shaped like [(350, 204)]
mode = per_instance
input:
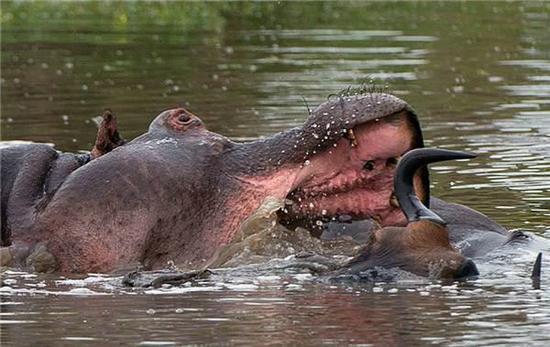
[(351, 136), (393, 201)]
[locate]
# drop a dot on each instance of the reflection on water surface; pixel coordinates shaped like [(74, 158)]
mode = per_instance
[(477, 73)]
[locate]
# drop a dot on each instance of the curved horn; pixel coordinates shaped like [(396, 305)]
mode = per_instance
[(537, 267), (404, 175)]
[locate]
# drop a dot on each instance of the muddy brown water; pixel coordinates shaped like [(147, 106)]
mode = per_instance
[(477, 73)]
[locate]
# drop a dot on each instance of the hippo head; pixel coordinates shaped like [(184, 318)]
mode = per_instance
[(423, 246), (341, 162)]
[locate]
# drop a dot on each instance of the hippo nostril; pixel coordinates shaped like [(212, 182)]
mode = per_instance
[(369, 165), (467, 269)]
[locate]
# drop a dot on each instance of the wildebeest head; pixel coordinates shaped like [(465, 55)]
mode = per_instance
[(422, 247)]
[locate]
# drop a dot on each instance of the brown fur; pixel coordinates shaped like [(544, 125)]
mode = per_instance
[(421, 247)]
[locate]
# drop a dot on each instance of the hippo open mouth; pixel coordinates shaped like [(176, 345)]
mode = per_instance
[(351, 176)]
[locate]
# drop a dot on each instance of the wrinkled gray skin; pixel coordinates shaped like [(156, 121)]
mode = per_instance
[(176, 193), (29, 170)]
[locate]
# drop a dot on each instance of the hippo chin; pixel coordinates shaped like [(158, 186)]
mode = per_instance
[(180, 192)]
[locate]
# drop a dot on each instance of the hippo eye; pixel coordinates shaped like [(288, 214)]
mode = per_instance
[(369, 165), (184, 118)]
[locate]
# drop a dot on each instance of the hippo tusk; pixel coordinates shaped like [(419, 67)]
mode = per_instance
[(407, 166)]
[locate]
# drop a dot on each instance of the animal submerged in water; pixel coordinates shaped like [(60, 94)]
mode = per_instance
[(180, 192)]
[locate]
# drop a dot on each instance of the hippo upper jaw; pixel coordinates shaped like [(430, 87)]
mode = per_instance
[(341, 162)]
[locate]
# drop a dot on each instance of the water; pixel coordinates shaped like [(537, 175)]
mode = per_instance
[(477, 73)]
